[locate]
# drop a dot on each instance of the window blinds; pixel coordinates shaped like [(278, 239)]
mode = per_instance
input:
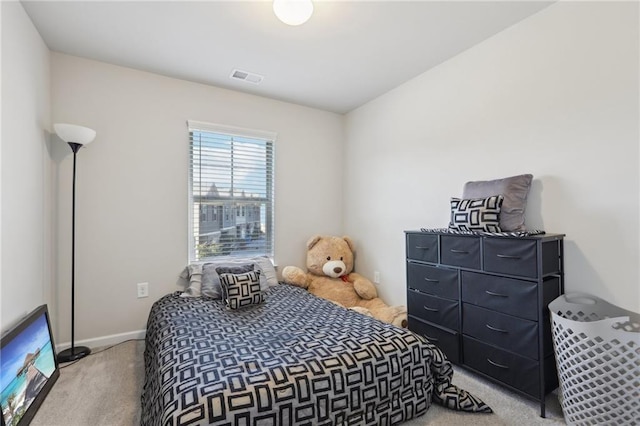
[(231, 191)]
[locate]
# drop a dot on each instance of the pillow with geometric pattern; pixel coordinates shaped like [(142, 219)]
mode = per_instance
[(241, 290), (211, 286), (476, 214)]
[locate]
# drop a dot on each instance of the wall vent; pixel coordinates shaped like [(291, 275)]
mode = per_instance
[(246, 76)]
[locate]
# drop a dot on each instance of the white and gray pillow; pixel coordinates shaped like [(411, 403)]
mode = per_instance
[(241, 290), (476, 214)]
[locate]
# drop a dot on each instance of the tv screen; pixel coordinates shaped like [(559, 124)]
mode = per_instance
[(28, 367)]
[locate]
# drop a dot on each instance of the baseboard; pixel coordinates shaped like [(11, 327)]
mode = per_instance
[(110, 340)]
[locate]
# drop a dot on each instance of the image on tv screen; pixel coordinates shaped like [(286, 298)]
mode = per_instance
[(27, 362)]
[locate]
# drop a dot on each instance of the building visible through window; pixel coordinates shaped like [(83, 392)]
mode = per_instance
[(231, 191)]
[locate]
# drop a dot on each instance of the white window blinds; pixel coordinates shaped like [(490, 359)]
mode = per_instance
[(230, 191)]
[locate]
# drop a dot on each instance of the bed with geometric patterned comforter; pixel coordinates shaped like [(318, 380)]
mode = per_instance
[(293, 359)]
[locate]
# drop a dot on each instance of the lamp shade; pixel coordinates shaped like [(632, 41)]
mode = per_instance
[(293, 12), (75, 134)]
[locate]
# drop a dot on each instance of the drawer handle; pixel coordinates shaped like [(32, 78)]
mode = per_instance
[(506, 367), (431, 280), (458, 251), (422, 248), (508, 256), (433, 339), (491, 293), (430, 309), (496, 329)]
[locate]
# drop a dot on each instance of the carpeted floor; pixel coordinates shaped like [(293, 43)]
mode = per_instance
[(104, 390)]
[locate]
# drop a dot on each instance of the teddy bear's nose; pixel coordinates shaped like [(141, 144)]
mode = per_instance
[(337, 269)]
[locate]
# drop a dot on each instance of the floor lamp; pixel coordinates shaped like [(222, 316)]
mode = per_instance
[(76, 137)]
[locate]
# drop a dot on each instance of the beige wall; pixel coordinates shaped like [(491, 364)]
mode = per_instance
[(132, 183), (25, 260), (556, 96)]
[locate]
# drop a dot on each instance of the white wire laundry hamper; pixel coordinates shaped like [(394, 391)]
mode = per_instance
[(597, 348)]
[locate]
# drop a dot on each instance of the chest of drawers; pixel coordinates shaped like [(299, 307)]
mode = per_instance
[(483, 300)]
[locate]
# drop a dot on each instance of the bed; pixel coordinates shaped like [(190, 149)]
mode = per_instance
[(292, 359)]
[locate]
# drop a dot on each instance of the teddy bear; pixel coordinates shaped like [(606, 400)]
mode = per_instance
[(329, 275)]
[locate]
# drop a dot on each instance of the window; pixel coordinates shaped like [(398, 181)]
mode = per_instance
[(231, 171)]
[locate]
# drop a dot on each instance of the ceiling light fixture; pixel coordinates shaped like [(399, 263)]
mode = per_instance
[(293, 12)]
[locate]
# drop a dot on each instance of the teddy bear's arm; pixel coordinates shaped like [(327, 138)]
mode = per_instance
[(296, 276), (363, 286)]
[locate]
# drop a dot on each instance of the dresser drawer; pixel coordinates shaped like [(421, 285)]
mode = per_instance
[(460, 251), (422, 247), (511, 256), (433, 280), (434, 309), (447, 341), (511, 333), (506, 295), (517, 371)]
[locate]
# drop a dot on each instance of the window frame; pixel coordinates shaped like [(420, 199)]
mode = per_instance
[(269, 138)]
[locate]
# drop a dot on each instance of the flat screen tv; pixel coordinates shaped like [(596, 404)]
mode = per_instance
[(28, 367)]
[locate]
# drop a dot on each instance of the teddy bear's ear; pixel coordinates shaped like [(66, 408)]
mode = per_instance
[(313, 241), (350, 243)]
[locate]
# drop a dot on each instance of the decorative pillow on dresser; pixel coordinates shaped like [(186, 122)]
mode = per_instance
[(241, 290), (476, 214), (514, 189)]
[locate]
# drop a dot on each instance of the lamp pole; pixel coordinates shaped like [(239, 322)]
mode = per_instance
[(75, 352)]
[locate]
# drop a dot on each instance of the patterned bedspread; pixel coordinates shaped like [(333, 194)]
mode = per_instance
[(294, 359)]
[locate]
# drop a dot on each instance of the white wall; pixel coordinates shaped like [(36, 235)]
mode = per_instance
[(132, 183), (25, 168), (556, 96)]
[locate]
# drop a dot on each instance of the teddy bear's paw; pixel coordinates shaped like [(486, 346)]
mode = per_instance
[(365, 288), (294, 275)]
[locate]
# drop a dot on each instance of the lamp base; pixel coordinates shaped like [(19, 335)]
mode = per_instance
[(73, 354)]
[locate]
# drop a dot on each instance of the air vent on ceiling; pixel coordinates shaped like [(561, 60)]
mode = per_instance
[(246, 76)]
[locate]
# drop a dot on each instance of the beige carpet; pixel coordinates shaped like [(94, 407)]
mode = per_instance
[(104, 390)]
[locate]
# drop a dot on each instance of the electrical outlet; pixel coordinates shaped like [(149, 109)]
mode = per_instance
[(143, 290), (376, 277)]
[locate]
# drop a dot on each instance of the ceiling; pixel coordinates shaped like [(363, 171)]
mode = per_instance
[(347, 54)]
